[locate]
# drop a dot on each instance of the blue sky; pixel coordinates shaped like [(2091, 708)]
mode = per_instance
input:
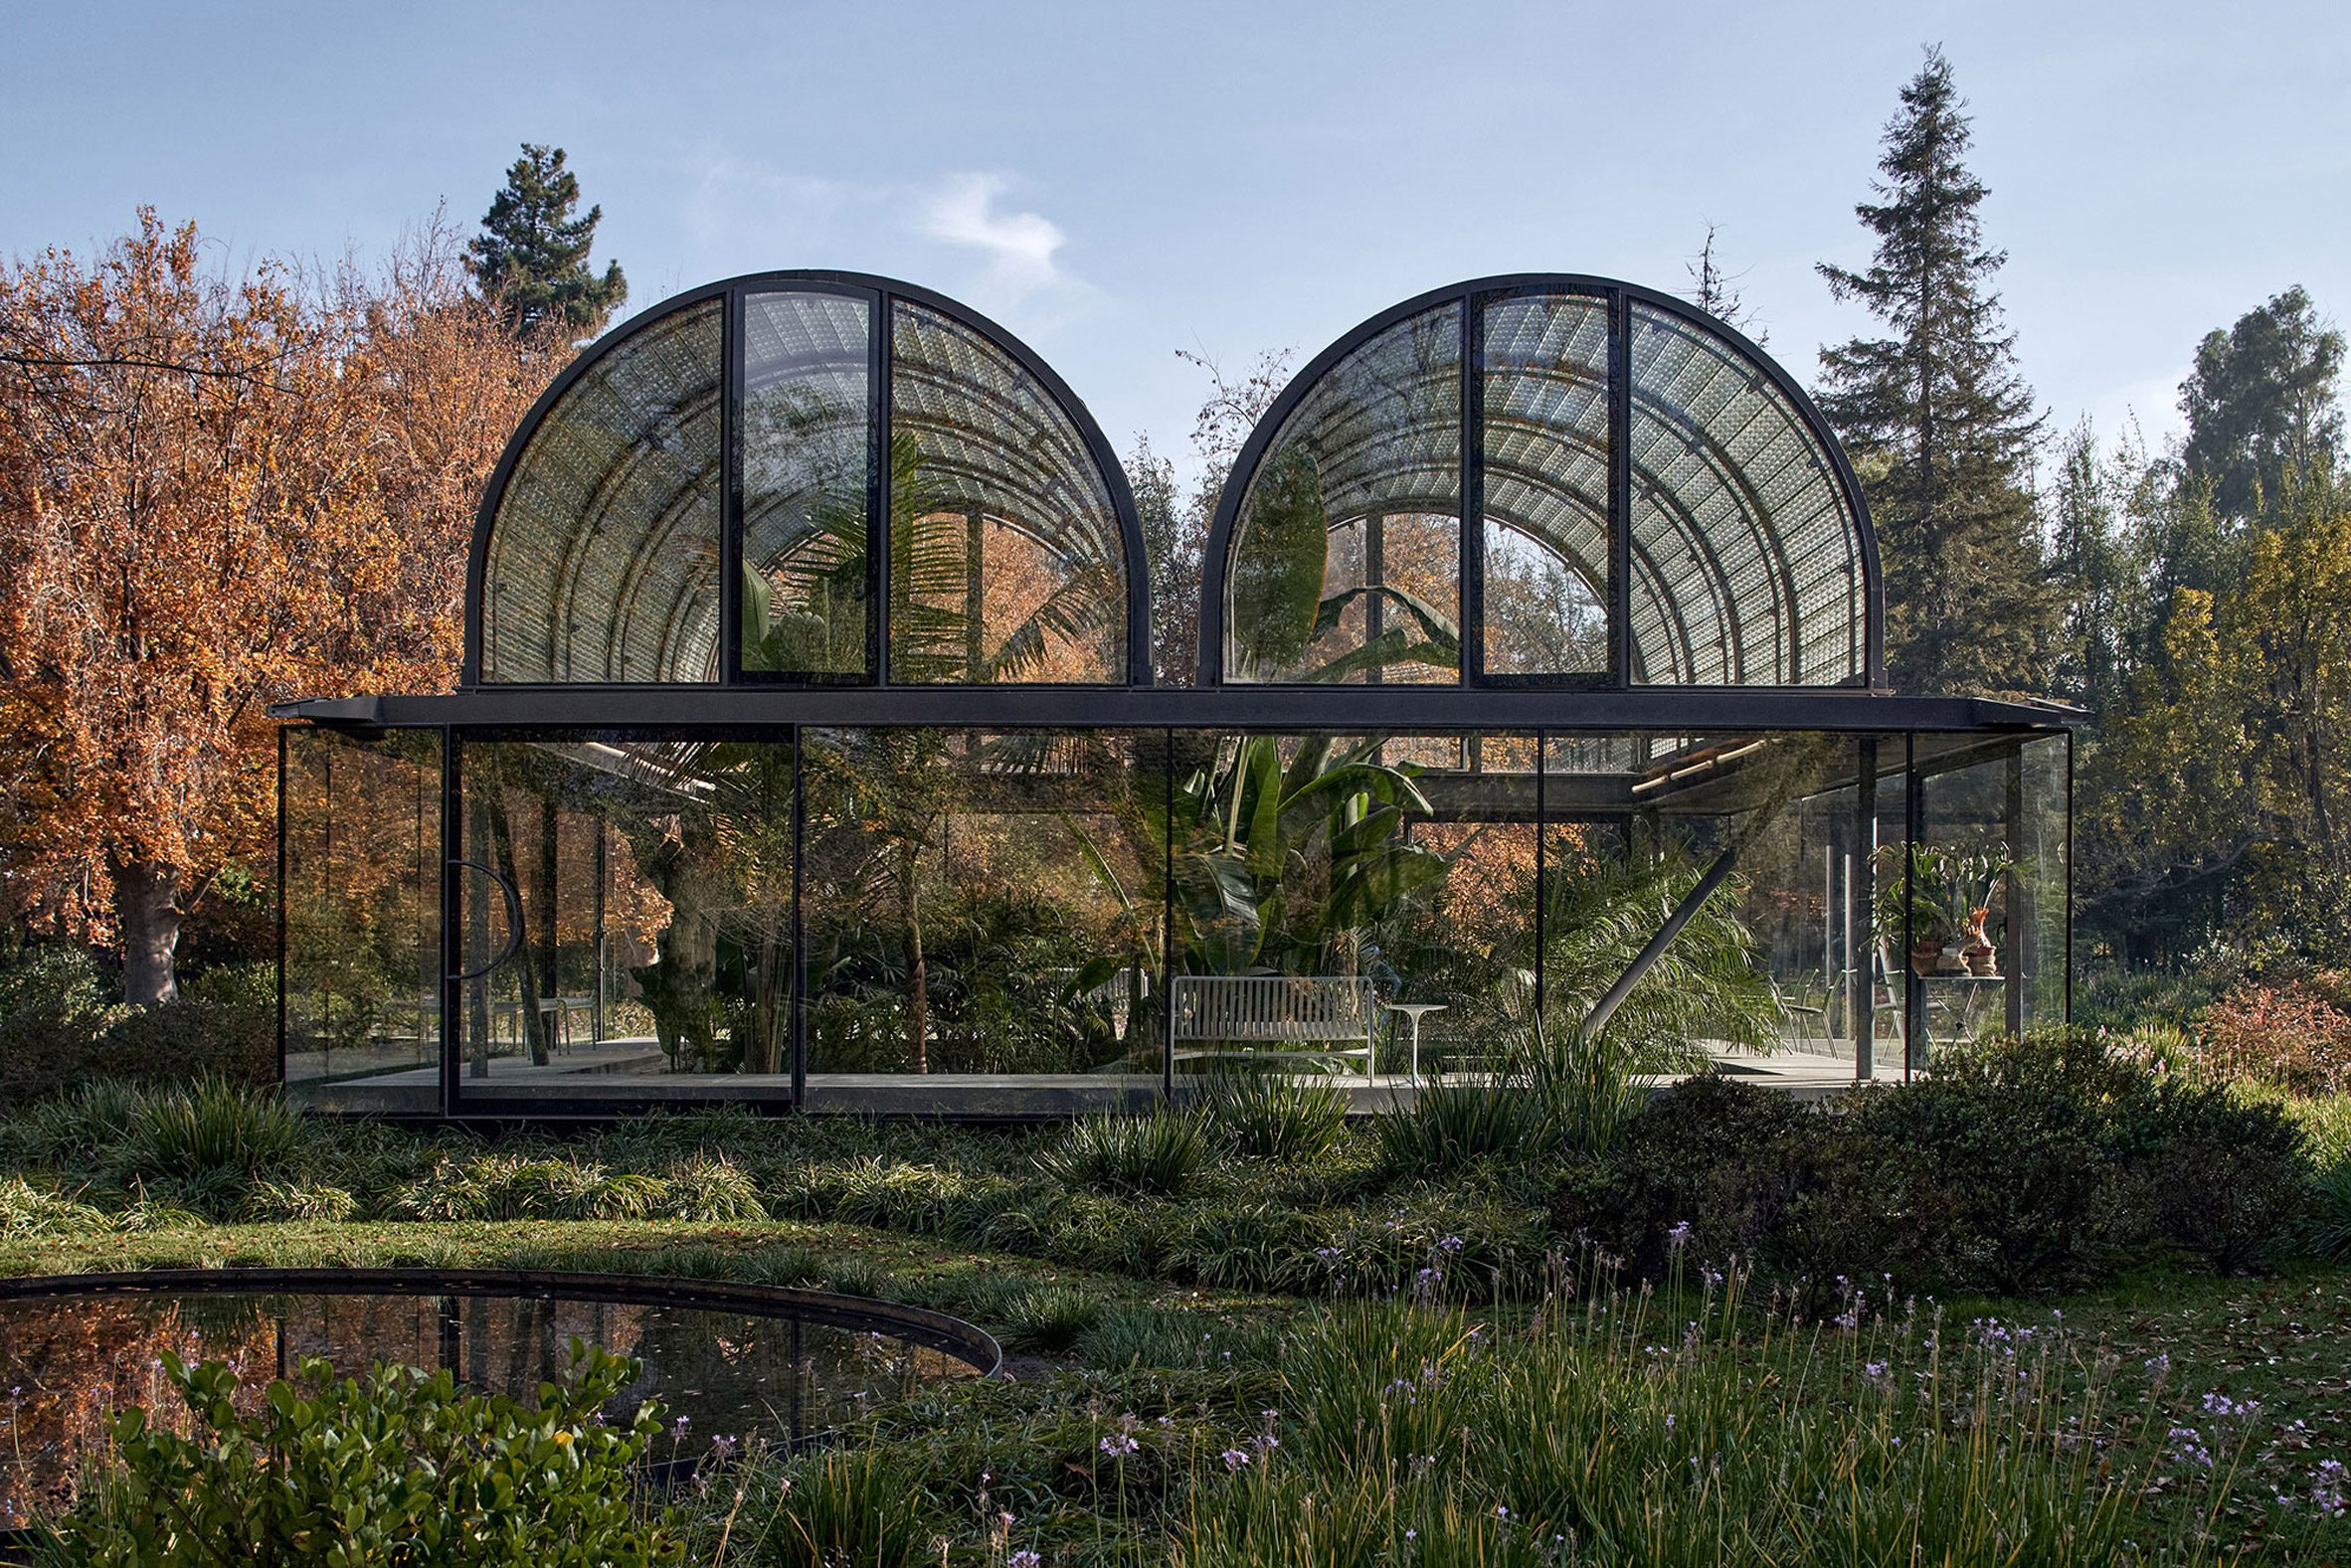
[(1115, 182)]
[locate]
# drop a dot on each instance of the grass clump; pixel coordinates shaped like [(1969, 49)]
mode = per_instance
[(1050, 1318), (1157, 1156), (845, 1507), (1275, 1116)]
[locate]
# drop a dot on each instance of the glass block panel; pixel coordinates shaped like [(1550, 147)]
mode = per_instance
[(1345, 560), (806, 458), (1746, 559), (1545, 397), (602, 562), (1006, 564)]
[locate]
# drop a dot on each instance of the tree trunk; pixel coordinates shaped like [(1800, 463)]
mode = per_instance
[(147, 901)]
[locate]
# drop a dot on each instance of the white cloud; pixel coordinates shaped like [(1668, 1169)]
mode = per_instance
[(1020, 246)]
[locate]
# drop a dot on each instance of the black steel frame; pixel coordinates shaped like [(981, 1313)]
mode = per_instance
[(765, 705), (880, 295), (1472, 297)]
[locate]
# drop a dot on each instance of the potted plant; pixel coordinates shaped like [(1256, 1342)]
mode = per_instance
[(1944, 905)]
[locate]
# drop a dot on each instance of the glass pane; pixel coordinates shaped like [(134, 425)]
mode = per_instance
[(1337, 896), (984, 916), (1747, 561), (604, 556), (807, 455), (363, 920), (1006, 559), (1345, 560), (1548, 551), (1987, 890), (654, 881)]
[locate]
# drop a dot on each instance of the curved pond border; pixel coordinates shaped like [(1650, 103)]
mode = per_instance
[(968, 1344)]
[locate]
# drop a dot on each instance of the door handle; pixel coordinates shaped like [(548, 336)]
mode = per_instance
[(513, 921)]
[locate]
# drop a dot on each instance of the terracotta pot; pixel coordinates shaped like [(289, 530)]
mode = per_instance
[(1983, 960), (1925, 955)]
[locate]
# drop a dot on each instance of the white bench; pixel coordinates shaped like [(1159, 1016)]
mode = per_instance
[(1337, 1014)]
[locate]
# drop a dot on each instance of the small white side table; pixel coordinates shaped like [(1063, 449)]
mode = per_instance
[(1415, 1011)]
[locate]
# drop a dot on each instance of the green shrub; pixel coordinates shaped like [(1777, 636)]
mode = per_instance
[(1276, 1115), (1450, 1122), (1158, 1153), (229, 1042), (302, 1200), (87, 1122), (54, 1006), (858, 1274), (400, 1469), (2330, 1213), (25, 1210), (211, 1130), (2225, 1179), (1050, 1318), (846, 1509), (1704, 1174), (713, 1189)]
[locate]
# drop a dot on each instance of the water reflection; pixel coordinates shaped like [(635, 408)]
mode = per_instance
[(67, 1363)]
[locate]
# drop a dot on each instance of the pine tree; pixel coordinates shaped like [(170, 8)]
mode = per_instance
[(531, 256), (1941, 423)]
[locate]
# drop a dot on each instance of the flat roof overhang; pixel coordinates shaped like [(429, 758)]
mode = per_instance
[(1392, 709)]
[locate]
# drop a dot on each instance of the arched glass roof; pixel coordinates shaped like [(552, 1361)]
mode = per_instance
[(1542, 481), (807, 478)]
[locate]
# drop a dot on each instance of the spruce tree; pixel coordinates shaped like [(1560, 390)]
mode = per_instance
[(1938, 419), (531, 256)]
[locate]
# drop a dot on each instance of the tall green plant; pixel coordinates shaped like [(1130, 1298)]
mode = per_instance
[(1280, 867)]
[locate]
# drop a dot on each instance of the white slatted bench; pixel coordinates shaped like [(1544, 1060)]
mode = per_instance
[(1234, 1015)]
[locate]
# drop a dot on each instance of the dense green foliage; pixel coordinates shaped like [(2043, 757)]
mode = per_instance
[(401, 1469), (1937, 417), (531, 256)]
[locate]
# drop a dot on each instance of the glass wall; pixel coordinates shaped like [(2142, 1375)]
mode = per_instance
[(1034, 922), (1989, 877), (361, 890), (627, 919), (983, 908)]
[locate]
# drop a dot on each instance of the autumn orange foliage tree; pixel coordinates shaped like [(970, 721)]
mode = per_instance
[(216, 493)]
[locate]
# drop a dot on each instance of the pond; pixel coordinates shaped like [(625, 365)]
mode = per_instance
[(738, 1362)]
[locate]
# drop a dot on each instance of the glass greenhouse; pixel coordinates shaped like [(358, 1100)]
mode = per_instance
[(806, 751)]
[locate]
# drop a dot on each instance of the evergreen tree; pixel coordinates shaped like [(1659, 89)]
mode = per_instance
[(2263, 412), (1939, 420), (2090, 559), (531, 256), (1172, 538)]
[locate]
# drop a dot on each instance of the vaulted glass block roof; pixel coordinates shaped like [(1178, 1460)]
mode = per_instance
[(823, 479), (705, 495), (1542, 482)]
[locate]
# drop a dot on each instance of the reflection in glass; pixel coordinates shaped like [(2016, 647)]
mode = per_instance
[(362, 897), (1345, 560), (1006, 559), (603, 561), (1746, 559), (1546, 362), (982, 905), (807, 418), (654, 881)]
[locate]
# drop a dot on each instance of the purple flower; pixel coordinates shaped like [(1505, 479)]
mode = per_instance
[(1234, 1459), (1119, 1444), (1023, 1558)]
